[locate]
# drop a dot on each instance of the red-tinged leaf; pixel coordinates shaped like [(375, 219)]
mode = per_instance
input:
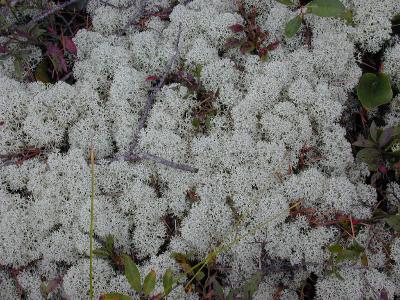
[(382, 169), (22, 33), (263, 54), (69, 45), (384, 295), (236, 28), (3, 49), (385, 137), (232, 43), (52, 31), (247, 47), (273, 45), (56, 56), (151, 78)]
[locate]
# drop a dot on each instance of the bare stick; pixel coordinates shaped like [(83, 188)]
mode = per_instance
[(168, 163), (153, 92), (50, 11)]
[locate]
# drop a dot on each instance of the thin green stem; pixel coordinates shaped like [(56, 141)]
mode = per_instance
[(91, 294)]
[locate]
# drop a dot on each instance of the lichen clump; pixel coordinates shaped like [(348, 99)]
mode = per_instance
[(273, 139)]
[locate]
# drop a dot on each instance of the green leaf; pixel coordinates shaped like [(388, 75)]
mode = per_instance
[(373, 132), (247, 47), (101, 252), (385, 137), (200, 275), (18, 67), (196, 122), (364, 143), (230, 295), (286, 2), (371, 157), (293, 26), (110, 243), (374, 90), (132, 274), (168, 281), (394, 222), (41, 73), (364, 260), (348, 17), (335, 248), (356, 248), (149, 283), (219, 291), (326, 8), (115, 296), (251, 286)]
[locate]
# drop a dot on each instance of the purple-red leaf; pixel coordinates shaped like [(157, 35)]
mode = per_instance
[(69, 45), (236, 28), (273, 45), (382, 169), (263, 54), (385, 137), (52, 31), (57, 57), (247, 47), (3, 49), (232, 43), (151, 78)]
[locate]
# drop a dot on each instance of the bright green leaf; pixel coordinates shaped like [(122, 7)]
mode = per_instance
[(115, 296), (335, 248), (374, 90), (293, 26), (132, 274), (326, 8), (149, 283), (168, 281)]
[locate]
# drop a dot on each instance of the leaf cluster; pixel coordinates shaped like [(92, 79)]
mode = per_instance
[(352, 253), (321, 8), (254, 38), (380, 149)]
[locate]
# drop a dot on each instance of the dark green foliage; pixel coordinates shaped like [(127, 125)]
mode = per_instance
[(321, 8), (374, 90), (380, 149)]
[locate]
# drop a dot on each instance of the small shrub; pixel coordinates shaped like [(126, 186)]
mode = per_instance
[(254, 40)]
